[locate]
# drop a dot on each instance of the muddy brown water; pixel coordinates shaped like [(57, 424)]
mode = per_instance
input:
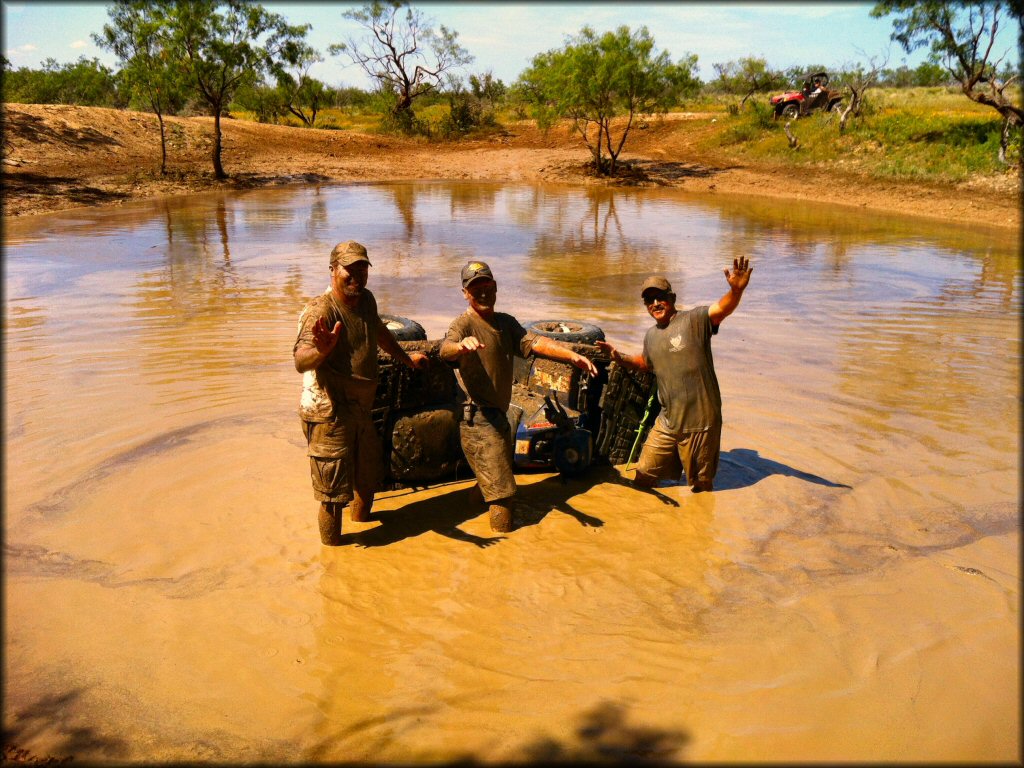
[(850, 591)]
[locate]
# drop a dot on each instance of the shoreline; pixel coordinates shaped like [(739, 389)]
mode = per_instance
[(60, 157)]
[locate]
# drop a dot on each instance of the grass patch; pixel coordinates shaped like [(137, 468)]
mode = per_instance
[(924, 134)]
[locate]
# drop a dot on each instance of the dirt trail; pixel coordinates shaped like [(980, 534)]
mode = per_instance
[(58, 157)]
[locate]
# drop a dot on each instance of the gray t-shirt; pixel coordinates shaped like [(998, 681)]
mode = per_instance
[(487, 373), (680, 356)]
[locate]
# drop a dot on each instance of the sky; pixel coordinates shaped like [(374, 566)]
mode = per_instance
[(504, 36)]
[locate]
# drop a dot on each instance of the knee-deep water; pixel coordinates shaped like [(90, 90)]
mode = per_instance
[(849, 591)]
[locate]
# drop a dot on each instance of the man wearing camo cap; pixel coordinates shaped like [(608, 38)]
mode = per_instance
[(336, 353), (483, 343)]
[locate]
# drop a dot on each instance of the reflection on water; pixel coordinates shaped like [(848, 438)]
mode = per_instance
[(153, 458)]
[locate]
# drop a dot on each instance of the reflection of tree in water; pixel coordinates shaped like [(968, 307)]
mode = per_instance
[(189, 309), (478, 199), (318, 222), (587, 248), (404, 197)]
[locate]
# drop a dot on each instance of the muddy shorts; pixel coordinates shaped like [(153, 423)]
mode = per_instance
[(342, 453), (330, 459), (487, 443), (666, 456)]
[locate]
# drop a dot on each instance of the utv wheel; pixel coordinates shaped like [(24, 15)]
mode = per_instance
[(404, 329), (790, 111), (568, 331)]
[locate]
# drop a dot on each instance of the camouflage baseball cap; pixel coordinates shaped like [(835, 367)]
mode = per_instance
[(656, 282), (474, 270), (349, 252)]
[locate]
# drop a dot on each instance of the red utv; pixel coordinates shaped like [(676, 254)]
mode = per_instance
[(814, 96)]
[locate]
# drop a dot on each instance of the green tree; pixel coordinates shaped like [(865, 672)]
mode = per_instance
[(747, 76), (148, 67), (961, 35), (266, 101), (85, 82), (222, 45), (402, 52), (595, 78), (303, 96)]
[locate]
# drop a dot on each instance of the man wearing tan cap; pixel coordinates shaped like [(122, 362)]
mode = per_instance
[(482, 343), (336, 353), (686, 436)]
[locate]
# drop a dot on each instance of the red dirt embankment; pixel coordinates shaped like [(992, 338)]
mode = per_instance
[(58, 157)]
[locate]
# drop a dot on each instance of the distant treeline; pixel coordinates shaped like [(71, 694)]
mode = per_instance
[(88, 82)]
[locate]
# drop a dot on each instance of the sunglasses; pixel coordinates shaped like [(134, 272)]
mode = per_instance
[(652, 297)]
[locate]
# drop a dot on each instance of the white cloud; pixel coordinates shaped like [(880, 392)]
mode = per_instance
[(26, 48), (79, 44)]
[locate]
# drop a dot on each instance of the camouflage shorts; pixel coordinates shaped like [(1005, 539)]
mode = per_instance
[(341, 453), (487, 444)]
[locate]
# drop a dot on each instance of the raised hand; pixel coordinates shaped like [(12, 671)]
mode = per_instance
[(325, 340), (740, 274)]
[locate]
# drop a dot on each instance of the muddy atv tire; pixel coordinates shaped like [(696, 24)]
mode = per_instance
[(624, 401), (404, 329), (790, 112), (568, 331)]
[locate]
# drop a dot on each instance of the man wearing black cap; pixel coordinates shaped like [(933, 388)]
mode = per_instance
[(336, 353), (482, 343), (687, 433)]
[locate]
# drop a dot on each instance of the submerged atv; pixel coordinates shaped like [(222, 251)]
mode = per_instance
[(814, 96), (562, 419)]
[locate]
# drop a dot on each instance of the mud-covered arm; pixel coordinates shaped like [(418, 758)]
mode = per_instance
[(546, 347), (632, 362), (737, 279), (310, 355)]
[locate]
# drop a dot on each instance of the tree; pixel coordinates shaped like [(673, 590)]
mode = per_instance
[(961, 35), (148, 67), (303, 95), (747, 76), (394, 53), (858, 80), (594, 79), (222, 45)]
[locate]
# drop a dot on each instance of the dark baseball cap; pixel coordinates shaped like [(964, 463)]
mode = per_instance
[(656, 282), (349, 252), (474, 270)]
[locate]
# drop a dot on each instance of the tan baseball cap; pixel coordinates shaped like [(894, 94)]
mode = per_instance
[(349, 252), (656, 282)]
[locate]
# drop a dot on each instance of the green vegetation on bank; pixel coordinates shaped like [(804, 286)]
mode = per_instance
[(922, 134), (233, 58)]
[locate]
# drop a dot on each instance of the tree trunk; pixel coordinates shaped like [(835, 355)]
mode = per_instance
[(163, 145), (793, 140), (218, 169)]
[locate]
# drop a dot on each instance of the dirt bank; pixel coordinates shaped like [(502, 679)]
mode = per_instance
[(58, 157)]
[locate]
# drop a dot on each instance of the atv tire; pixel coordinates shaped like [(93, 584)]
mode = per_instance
[(568, 331), (404, 329)]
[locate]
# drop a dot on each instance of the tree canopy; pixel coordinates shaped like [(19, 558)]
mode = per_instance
[(596, 78), (961, 35), (402, 52), (222, 45)]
